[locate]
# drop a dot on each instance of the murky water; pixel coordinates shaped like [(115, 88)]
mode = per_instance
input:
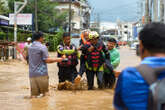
[(14, 86)]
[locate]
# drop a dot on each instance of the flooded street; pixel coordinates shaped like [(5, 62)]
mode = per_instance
[(14, 86)]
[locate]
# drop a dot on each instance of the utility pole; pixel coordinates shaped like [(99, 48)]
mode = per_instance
[(15, 21), (36, 17), (155, 6), (147, 18), (161, 11), (151, 9), (16, 12), (70, 16)]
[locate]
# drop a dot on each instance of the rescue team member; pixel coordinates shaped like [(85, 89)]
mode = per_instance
[(95, 60), (109, 76), (84, 40), (67, 68), (38, 72)]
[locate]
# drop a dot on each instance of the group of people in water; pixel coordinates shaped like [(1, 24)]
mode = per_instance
[(137, 88), (96, 58)]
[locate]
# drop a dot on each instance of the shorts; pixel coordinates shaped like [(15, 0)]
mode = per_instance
[(39, 85), (27, 59)]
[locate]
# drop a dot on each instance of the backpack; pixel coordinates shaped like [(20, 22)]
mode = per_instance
[(156, 99)]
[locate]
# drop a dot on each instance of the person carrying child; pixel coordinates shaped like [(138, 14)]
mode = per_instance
[(95, 60)]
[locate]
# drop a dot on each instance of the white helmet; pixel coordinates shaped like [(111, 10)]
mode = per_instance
[(29, 39), (93, 34)]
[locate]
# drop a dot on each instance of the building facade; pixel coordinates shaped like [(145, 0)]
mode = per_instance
[(80, 13), (125, 31)]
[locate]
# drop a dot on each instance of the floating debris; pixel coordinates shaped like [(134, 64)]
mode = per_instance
[(77, 85)]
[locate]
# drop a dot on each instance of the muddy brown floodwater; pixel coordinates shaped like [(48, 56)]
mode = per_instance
[(14, 86)]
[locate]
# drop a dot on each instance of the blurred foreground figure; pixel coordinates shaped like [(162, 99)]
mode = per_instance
[(138, 87)]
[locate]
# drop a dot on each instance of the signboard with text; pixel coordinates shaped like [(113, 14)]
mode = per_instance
[(22, 19), (4, 22)]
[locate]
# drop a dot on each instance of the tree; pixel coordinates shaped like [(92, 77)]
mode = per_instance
[(48, 16), (3, 8)]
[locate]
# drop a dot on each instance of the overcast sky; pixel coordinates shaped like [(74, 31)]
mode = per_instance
[(111, 10)]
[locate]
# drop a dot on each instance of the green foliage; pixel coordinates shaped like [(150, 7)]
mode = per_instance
[(2, 35), (3, 8), (54, 40), (48, 16)]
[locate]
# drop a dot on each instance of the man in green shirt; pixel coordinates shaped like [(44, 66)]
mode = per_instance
[(109, 77)]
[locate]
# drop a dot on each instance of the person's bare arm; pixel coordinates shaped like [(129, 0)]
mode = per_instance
[(52, 60)]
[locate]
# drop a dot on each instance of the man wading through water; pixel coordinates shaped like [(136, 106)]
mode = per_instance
[(38, 72)]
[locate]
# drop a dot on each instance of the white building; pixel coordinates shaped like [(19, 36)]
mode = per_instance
[(80, 13), (125, 31), (107, 26)]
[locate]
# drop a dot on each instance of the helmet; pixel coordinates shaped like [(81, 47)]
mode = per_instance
[(93, 35), (29, 39)]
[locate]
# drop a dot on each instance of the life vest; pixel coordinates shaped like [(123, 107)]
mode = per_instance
[(95, 58), (88, 43), (72, 58)]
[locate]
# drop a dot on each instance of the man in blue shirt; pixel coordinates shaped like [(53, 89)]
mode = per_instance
[(132, 90)]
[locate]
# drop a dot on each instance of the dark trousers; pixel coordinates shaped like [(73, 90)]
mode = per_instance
[(82, 65), (109, 80), (67, 73), (27, 59), (90, 79)]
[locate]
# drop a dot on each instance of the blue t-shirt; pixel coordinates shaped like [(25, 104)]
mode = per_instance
[(38, 53), (132, 90)]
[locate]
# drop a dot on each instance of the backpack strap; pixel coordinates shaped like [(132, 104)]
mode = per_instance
[(147, 73), (150, 75), (159, 70)]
